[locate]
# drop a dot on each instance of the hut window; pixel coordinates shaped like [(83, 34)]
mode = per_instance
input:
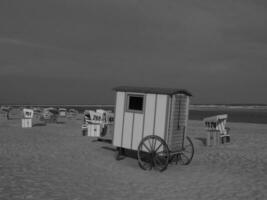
[(135, 103)]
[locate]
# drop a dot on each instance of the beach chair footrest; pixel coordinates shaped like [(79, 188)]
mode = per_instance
[(225, 139)]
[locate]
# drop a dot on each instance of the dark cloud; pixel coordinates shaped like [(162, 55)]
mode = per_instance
[(51, 49)]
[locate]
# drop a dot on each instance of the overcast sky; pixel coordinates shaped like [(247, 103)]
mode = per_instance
[(76, 51)]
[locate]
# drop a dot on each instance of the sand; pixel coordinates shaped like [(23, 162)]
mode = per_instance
[(56, 162)]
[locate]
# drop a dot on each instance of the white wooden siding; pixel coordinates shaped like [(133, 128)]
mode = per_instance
[(160, 119), (127, 130), (137, 130), (187, 114), (168, 118), (119, 114), (170, 128), (149, 114)]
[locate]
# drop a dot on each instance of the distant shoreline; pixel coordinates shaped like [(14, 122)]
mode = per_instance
[(56, 105), (200, 107)]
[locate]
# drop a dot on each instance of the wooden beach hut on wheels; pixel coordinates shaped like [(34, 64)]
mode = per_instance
[(153, 122)]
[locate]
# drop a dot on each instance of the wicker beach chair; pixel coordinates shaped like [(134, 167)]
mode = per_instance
[(217, 132)]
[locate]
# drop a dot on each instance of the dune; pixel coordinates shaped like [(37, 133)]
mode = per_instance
[(56, 162)]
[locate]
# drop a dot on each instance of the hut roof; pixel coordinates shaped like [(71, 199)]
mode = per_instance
[(168, 91)]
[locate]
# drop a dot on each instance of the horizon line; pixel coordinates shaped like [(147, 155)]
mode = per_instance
[(112, 105)]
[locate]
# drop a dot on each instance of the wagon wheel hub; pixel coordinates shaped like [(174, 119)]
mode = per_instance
[(153, 153)]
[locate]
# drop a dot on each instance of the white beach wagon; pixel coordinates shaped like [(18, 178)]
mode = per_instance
[(153, 122)]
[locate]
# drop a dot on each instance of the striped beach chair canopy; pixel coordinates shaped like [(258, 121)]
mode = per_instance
[(216, 123), (216, 118), (28, 113)]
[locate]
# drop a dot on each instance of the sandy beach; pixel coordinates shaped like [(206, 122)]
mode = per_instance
[(154, 68), (56, 162)]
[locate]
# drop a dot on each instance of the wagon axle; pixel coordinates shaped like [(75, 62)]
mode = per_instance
[(153, 152)]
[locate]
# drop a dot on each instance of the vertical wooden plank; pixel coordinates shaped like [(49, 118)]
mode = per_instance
[(144, 117), (171, 123), (155, 110), (137, 130), (127, 130), (119, 115), (132, 135), (187, 113), (160, 118), (149, 114), (167, 116)]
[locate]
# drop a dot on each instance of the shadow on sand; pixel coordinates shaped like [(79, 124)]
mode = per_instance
[(60, 122), (202, 140), (102, 140), (125, 153), (39, 124)]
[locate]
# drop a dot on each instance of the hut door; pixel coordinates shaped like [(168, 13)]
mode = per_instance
[(179, 120)]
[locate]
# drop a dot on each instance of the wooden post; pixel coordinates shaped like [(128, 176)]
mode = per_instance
[(217, 137), (214, 137), (208, 138)]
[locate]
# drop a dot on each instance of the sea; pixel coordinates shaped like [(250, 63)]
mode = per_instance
[(236, 113)]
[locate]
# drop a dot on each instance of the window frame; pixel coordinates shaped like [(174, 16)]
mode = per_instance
[(128, 95)]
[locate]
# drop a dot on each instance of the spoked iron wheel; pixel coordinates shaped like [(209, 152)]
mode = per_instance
[(187, 153), (153, 152)]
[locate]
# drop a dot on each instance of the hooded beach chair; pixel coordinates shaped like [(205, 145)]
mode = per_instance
[(216, 130)]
